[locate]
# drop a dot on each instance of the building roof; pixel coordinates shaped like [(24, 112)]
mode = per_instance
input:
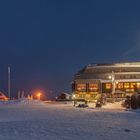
[(96, 71), (118, 67), (124, 64)]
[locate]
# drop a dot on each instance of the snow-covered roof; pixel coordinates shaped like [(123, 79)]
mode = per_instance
[(126, 64), (2, 96)]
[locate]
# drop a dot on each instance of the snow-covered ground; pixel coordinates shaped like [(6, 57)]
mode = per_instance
[(25, 120)]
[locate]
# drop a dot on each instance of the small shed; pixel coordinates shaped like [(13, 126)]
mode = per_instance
[(63, 96)]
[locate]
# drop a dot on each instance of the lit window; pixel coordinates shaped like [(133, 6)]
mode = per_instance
[(138, 85), (92, 95), (126, 85), (108, 86), (132, 85), (120, 85), (82, 96), (81, 87), (93, 87)]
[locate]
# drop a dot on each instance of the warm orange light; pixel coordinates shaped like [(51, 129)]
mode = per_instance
[(39, 95)]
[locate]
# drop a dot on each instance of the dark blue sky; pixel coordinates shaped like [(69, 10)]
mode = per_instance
[(47, 41)]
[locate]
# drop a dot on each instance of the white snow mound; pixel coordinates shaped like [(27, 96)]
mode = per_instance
[(23, 102)]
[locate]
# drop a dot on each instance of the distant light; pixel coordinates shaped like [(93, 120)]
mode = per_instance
[(73, 96), (110, 77), (39, 95)]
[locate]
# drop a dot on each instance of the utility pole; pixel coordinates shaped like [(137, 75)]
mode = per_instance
[(19, 95), (9, 82)]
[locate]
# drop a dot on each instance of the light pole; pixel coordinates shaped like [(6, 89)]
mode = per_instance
[(112, 77), (9, 82), (113, 85), (73, 96)]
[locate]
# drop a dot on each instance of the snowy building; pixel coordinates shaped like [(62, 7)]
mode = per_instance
[(63, 96), (118, 78), (3, 97)]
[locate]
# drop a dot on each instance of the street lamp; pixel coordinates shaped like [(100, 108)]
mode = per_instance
[(73, 97), (39, 95), (112, 77)]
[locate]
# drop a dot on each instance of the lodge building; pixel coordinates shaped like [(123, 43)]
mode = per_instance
[(95, 79)]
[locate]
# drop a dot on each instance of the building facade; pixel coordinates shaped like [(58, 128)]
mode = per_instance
[(118, 80)]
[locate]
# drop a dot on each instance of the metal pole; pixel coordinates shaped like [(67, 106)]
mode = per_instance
[(9, 82), (113, 85), (19, 96)]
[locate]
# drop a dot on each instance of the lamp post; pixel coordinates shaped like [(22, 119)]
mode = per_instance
[(112, 77), (73, 97), (9, 82)]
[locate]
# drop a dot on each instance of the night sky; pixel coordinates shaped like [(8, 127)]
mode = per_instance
[(45, 42)]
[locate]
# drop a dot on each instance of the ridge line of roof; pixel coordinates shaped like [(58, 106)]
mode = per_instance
[(114, 64)]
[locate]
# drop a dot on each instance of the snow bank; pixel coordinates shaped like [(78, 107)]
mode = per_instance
[(91, 105), (22, 102), (116, 105)]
